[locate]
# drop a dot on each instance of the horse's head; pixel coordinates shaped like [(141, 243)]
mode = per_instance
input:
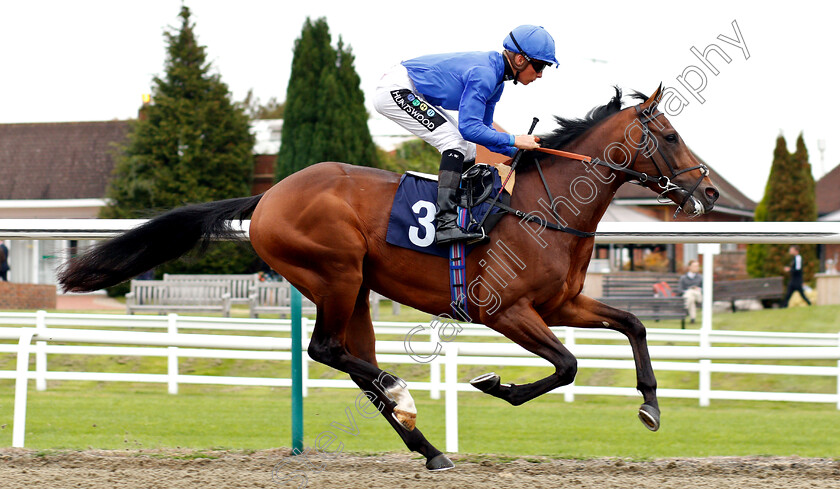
[(654, 154)]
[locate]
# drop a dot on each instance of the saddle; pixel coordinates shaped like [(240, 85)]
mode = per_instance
[(478, 188), (411, 223)]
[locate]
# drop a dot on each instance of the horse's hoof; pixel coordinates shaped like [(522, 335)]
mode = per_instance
[(440, 462), (486, 383), (406, 419), (649, 416)]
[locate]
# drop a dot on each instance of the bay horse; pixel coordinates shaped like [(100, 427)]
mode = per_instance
[(323, 229)]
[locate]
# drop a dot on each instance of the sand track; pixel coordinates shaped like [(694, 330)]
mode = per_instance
[(186, 469)]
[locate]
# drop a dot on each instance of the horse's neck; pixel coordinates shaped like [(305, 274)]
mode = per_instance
[(582, 192)]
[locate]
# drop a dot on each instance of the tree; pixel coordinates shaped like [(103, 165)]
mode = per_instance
[(325, 118), (192, 144), (358, 143), (789, 196), (256, 110), (805, 207), (757, 252), (415, 155)]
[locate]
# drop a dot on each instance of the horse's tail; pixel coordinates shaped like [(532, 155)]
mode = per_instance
[(158, 241)]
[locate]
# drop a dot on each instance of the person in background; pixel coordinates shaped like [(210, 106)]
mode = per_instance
[(795, 270), (4, 261), (691, 286)]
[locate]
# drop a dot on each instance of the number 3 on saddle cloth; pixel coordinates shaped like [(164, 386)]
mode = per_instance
[(412, 221)]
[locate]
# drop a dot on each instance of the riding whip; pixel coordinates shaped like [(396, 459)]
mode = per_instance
[(512, 168)]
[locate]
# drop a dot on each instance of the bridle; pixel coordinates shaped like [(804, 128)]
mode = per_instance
[(640, 178), (663, 181)]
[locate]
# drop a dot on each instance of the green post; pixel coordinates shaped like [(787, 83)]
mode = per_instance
[(297, 374)]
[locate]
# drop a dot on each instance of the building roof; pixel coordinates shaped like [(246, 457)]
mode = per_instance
[(617, 213), (830, 217), (69, 160), (828, 192), (56, 168), (267, 134)]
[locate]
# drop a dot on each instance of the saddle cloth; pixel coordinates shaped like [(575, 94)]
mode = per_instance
[(412, 221)]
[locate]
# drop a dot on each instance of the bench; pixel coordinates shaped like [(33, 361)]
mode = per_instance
[(634, 292), (650, 307), (275, 298), (768, 290), (162, 297), (374, 305), (240, 284), (638, 284)]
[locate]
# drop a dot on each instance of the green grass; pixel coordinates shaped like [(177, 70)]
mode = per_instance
[(114, 415), (814, 319), (124, 416)]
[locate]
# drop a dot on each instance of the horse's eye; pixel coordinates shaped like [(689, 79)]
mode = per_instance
[(671, 138)]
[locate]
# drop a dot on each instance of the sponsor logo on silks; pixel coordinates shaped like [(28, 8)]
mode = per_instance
[(418, 109)]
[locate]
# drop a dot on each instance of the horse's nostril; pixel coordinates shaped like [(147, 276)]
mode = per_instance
[(712, 194)]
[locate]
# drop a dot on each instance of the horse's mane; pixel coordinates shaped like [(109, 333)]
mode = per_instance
[(571, 129)]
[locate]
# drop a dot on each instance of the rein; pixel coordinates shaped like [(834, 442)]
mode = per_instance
[(565, 154), (664, 182)]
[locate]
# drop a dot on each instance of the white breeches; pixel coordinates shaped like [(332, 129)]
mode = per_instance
[(397, 99)]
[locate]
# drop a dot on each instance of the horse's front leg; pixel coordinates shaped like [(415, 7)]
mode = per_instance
[(585, 312), (525, 327)]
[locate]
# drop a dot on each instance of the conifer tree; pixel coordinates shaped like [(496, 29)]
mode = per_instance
[(805, 207), (325, 118), (358, 143), (193, 144), (757, 252), (789, 196)]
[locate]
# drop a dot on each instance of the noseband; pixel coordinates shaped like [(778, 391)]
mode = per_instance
[(663, 181)]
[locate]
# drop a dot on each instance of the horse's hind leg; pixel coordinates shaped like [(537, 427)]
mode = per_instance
[(585, 312), (525, 327), (360, 343), (349, 347)]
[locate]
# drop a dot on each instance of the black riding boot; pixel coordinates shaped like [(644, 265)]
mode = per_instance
[(449, 179)]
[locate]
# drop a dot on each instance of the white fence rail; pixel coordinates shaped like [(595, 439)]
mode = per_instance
[(173, 344), (608, 232), (45, 329)]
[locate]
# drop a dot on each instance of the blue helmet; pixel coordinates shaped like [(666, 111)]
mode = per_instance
[(533, 42)]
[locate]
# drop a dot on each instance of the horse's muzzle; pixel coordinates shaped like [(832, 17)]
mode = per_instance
[(708, 196), (702, 201)]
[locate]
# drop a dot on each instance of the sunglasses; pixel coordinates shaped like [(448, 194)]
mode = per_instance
[(539, 66)]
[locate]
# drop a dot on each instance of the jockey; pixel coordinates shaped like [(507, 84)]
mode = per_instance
[(419, 94)]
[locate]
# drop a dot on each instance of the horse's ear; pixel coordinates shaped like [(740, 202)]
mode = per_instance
[(656, 97)]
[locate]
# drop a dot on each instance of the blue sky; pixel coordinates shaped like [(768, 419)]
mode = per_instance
[(92, 60)]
